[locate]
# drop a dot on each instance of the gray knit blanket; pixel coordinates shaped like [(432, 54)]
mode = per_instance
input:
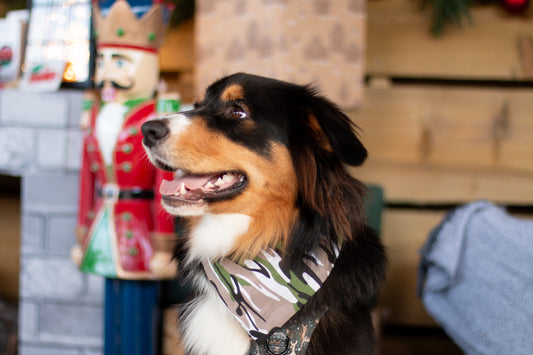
[(476, 279)]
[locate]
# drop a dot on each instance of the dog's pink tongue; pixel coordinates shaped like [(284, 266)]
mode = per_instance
[(191, 183)]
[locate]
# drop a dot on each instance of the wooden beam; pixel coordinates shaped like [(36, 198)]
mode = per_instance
[(455, 127), (424, 185), (10, 247), (404, 233), (177, 54), (495, 46)]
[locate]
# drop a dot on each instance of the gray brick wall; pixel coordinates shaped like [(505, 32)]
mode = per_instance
[(16, 157), (36, 110), (61, 309)]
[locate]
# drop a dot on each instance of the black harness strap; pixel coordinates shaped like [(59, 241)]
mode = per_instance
[(292, 338)]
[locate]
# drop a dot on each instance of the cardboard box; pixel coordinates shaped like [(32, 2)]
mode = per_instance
[(319, 42)]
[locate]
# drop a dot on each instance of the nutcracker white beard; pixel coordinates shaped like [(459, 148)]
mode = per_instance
[(108, 125)]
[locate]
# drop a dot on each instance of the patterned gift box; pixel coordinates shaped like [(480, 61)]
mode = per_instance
[(316, 41)]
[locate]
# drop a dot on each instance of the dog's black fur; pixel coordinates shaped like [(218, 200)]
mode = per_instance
[(329, 203)]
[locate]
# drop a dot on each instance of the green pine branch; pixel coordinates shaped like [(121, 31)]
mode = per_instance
[(455, 12)]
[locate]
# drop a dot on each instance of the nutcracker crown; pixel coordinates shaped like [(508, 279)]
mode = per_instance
[(119, 26)]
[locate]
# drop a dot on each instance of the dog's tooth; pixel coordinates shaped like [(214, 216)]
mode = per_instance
[(183, 190), (219, 182), (209, 185), (228, 177)]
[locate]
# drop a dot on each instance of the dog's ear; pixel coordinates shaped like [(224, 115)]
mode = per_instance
[(323, 140), (333, 129)]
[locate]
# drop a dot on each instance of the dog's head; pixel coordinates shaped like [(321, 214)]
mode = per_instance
[(256, 147)]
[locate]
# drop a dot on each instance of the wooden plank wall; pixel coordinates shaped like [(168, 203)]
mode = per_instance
[(446, 121), (495, 46), (176, 60), (9, 246)]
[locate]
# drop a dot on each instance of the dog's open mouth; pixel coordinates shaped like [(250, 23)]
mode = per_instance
[(197, 188)]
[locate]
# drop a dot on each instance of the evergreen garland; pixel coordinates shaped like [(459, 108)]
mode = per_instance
[(447, 11), (457, 12)]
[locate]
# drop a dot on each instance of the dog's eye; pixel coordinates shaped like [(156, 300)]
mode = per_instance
[(238, 113)]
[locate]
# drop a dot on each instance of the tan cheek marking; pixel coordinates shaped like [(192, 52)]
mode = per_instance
[(271, 204), (203, 151), (321, 137), (232, 92), (196, 149), (270, 196)]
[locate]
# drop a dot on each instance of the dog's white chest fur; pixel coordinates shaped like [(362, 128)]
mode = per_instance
[(216, 235), (209, 328)]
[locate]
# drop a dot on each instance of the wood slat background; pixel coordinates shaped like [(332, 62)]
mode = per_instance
[(495, 46), (177, 53), (404, 232), (464, 135), (442, 145), (449, 126), (9, 247)]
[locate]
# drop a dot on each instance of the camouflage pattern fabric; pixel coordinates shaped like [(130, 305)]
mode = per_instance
[(264, 293)]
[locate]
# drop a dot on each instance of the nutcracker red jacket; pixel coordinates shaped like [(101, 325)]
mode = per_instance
[(119, 209)]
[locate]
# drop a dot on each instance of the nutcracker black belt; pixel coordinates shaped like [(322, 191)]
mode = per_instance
[(113, 192)]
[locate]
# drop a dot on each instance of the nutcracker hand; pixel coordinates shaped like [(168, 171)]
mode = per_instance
[(76, 254), (163, 265)]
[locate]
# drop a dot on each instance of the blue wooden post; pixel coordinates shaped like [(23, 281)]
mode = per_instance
[(132, 317)]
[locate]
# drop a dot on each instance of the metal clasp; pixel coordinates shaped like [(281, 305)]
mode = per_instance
[(278, 343)]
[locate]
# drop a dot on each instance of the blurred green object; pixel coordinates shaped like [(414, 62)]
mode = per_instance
[(447, 11), (374, 203)]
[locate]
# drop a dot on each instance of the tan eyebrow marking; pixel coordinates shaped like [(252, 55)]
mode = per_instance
[(233, 92)]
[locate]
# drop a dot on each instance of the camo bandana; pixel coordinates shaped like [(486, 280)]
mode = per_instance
[(263, 293)]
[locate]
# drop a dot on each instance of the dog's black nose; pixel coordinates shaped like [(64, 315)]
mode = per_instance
[(154, 131)]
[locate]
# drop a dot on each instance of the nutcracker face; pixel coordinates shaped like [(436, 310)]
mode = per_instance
[(123, 74)]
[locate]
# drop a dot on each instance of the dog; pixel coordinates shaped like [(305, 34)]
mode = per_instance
[(276, 248)]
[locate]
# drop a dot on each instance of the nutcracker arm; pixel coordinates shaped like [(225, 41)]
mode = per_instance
[(86, 200), (163, 237)]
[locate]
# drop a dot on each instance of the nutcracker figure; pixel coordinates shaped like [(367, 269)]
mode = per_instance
[(123, 233)]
